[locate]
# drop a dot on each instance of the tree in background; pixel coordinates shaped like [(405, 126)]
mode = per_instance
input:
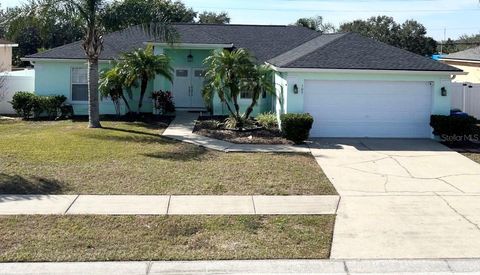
[(317, 24), (410, 36), (464, 42), (213, 18), (120, 15)]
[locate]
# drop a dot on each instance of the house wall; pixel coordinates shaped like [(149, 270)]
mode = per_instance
[(5, 58), (294, 102), (54, 78)]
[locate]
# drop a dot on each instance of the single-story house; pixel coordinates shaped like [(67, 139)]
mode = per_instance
[(353, 86), (468, 61)]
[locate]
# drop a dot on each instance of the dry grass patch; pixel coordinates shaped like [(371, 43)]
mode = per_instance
[(132, 158), (128, 238)]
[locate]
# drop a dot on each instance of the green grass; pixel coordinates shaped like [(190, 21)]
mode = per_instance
[(107, 238), (132, 158)]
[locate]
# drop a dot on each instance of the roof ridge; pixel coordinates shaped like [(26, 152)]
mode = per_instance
[(304, 49)]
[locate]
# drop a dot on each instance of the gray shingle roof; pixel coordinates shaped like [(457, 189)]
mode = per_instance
[(472, 54), (283, 46), (353, 51)]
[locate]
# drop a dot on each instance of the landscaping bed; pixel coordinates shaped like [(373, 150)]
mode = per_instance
[(65, 157), (214, 127), (148, 238)]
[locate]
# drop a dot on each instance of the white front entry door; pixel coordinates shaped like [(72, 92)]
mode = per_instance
[(391, 109), (187, 87)]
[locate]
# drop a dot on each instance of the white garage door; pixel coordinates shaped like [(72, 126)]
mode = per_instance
[(369, 108)]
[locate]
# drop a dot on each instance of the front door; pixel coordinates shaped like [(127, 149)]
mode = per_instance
[(187, 87)]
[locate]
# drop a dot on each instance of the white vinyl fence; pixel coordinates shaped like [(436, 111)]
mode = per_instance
[(12, 82), (466, 97)]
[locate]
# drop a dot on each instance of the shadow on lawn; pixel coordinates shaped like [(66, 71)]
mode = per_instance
[(18, 185), (131, 136), (180, 153)]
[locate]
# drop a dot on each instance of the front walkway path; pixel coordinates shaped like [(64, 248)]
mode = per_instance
[(402, 198), (182, 129), (166, 205), (440, 266)]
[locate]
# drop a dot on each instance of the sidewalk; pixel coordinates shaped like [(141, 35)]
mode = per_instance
[(182, 129), (166, 205), (440, 266)]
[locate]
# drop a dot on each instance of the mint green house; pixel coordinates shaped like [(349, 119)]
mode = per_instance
[(353, 86)]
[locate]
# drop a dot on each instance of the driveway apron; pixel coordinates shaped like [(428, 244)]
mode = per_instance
[(402, 198)]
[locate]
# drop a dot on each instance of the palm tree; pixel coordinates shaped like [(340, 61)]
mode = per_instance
[(93, 46), (225, 72), (112, 83), (143, 65), (260, 81)]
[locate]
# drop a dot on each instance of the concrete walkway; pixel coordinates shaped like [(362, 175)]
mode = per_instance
[(182, 129), (350, 267), (402, 199), (166, 205)]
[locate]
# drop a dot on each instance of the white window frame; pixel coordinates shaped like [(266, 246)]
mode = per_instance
[(72, 83)]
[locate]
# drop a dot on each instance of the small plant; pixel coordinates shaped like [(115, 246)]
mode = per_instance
[(296, 127), (22, 103), (268, 120), (52, 105), (239, 123), (163, 101)]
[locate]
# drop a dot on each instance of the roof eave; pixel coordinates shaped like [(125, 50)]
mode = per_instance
[(320, 70), (459, 60), (33, 59)]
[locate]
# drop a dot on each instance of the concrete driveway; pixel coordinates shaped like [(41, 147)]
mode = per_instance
[(402, 198)]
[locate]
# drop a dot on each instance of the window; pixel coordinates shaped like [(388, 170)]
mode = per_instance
[(79, 84), (246, 94), (181, 73)]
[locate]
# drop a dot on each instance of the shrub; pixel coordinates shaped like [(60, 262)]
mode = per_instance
[(296, 127), (22, 103), (26, 104), (268, 120), (164, 101), (450, 126)]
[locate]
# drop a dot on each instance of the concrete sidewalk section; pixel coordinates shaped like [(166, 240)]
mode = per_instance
[(182, 129), (440, 266), (166, 205)]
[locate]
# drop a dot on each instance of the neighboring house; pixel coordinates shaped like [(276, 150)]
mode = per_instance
[(352, 85), (468, 61), (6, 55)]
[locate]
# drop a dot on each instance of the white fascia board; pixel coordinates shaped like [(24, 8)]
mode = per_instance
[(460, 60), (189, 46), (61, 60), (313, 70), (8, 45)]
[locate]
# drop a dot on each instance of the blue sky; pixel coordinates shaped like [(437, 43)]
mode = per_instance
[(457, 16)]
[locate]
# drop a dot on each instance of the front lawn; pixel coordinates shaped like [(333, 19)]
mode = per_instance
[(132, 158), (128, 238)]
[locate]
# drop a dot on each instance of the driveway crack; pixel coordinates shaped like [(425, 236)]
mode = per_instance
[(458, 213)]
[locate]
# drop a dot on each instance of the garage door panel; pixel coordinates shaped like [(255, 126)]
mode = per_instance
[(368, 108)]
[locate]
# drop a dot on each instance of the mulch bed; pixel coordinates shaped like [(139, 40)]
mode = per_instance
[(213, 127)]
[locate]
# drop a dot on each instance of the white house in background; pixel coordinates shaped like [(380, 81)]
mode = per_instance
[(6, 55)]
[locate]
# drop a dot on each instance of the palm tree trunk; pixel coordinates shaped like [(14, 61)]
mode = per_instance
[(250, 108), (126, 103), (93, 103), (143, 89)]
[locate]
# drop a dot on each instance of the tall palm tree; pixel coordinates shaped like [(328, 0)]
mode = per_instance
[(225, 72), (93, 45), (142, 65)]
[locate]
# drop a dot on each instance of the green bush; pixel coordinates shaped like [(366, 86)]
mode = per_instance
[(22, 103), (267, 120), (296, 127), (450, 126), (27, 104)]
